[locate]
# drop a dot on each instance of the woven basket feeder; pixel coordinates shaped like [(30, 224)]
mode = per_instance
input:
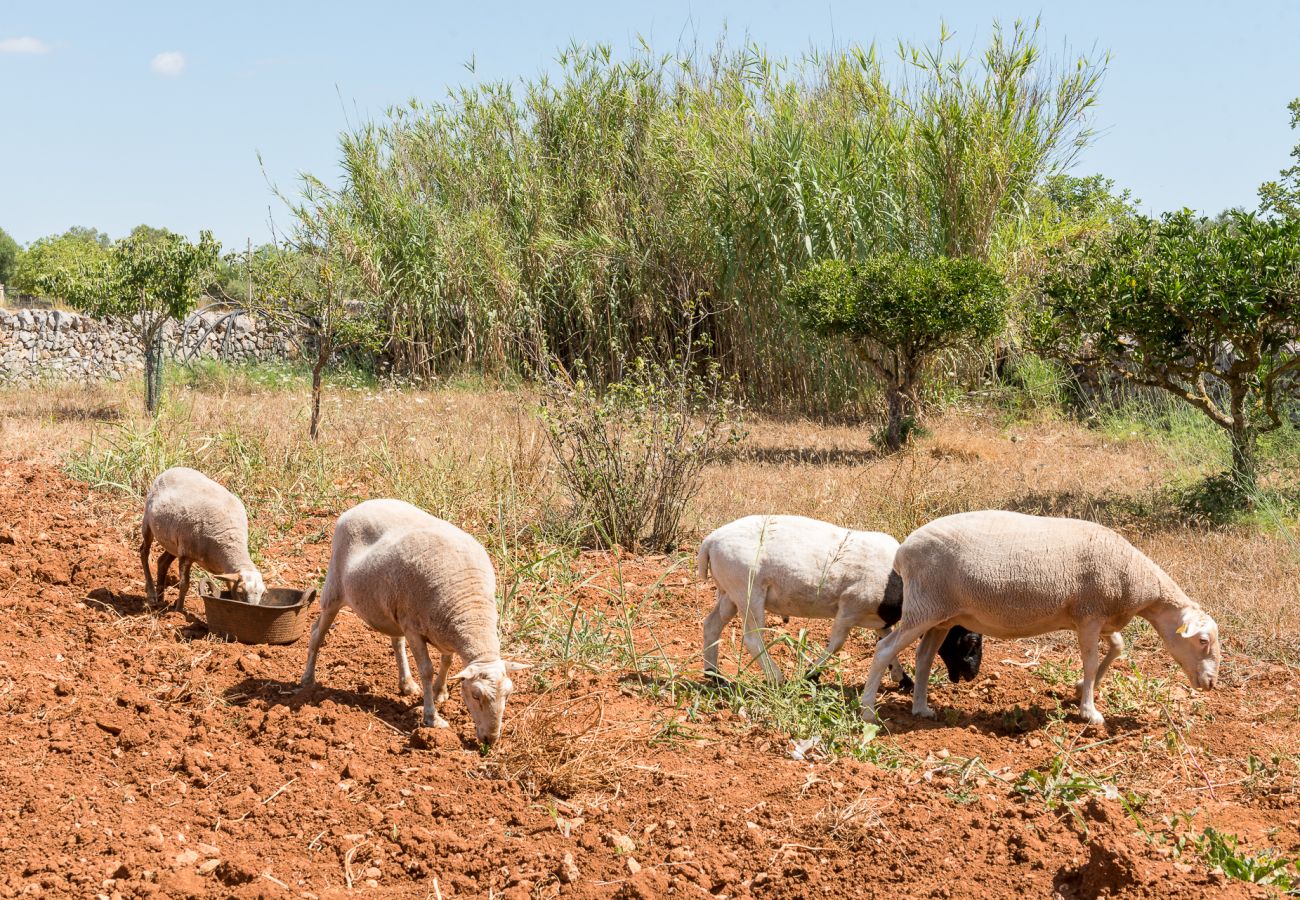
[(280, 619)]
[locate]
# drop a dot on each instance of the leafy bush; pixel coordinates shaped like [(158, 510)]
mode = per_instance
[(1208, 311), (631, 455), (899, 311), (581, 214), (149, 278), (9, 253)]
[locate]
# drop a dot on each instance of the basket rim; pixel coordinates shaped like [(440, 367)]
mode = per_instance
[(208, 591)]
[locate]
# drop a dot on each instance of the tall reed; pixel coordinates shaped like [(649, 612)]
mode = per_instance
[(663, 199)]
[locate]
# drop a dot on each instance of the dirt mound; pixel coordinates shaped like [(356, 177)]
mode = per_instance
[(142, 757)]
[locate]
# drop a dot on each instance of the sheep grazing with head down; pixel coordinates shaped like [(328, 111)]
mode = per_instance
[(1009, 575), (196, 520), (425, 582), (796, 566)]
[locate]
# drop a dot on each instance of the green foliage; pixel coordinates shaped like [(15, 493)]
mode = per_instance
[(580, 216), (898, 311), (149, 277), (1283, 195), (306, 290), (1206, 310), (9, 253), (77, 248), (1221, 851), (901, 305), (632, 454)]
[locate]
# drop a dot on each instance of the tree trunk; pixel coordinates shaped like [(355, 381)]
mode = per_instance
[(315, 397), (1244, 468), (153, 366), (894, 426), (1244, 464)]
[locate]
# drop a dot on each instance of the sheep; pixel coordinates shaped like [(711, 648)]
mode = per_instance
[(1010, 575), (796, 566), (194, 519), (420, 580)]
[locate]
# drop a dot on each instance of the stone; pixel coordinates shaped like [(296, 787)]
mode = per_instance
[(568, 871)]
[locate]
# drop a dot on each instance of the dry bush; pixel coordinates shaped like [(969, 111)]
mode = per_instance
[(851, 823), (480, 458), (562, 747)]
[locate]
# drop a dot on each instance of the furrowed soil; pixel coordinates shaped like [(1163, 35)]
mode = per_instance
[(141, 756)]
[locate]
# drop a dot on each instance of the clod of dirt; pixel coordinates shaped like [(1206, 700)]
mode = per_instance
[(568, 871), (356, 769), (620, 842)]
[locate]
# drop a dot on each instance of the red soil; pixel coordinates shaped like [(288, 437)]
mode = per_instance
[(143, 757)]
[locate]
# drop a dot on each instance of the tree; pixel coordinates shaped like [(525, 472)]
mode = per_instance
[(1208, 310), (76, 248), (9, 252), (898, 311), (146, 278), (1283, 196), (304, 289)]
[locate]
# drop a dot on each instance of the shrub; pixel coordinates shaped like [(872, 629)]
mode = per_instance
[(899, 311), (631, 455), (1207, 311)]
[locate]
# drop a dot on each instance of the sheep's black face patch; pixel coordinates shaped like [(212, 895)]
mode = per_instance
[(962, 652)]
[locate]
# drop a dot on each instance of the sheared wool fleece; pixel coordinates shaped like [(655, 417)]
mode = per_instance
[(193, 517), (405, 572)]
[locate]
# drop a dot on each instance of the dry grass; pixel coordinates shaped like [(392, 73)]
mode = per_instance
[(478, 457), (562, 746)]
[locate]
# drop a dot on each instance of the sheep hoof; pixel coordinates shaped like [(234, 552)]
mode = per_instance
[(441, 696), (923, 713), (409, 687), (713, 676), (1092, 717), (436, 722), (306, 681), (869, 715)]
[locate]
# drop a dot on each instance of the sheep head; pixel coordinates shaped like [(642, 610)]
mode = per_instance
[(486, 685), (1195, 644), (246, 583)]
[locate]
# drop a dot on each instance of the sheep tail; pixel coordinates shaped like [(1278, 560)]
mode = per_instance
[(702, 561)]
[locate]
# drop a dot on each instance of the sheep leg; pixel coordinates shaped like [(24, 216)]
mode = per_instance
[(896, 671), (924, 662), (840, 630), (183, 587), (1116, 642), (886, 653), (405, 683), (329, 609), (164, 571), (754, 626), (1089, 636), (722, 613), (425, 665), (440, 683), (146, 544)]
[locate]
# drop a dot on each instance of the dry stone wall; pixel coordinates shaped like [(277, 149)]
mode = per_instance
[(48, 344)]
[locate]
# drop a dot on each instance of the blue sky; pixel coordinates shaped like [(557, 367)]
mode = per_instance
[(113, 114)]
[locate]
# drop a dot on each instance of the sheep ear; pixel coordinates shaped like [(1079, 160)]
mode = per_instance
[(1195, 624), (467, 672), (231, 578), (512, 666)]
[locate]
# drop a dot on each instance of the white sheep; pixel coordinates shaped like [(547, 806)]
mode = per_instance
[(196, 520), (796, 566), (1010, 575), (420, 580)]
